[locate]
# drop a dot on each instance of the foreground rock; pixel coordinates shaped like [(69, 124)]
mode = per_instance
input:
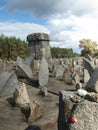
[(8, 83), (76, 113), (29, 108)]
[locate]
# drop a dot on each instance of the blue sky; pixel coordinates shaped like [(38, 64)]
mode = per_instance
[(66, 21)]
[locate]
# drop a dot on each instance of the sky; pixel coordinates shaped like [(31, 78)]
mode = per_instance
[(66, 21)]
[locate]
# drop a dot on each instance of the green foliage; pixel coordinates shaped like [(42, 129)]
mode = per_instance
[(62, 52), (11, 47), (88, 47)]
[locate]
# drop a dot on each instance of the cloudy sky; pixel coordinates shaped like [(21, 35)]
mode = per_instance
[(66, 21)]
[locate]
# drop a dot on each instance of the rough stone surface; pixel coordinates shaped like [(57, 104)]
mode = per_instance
[(43, 73), (92, 84), (89, 66), (85, 112), (21, 96), (38, 36), (8, 83), (58, 70), (23, 69), (86, 76), (39, 45)]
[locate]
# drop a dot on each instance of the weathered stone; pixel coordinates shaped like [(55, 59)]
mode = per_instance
[(34, 111), (90, 58), (84, 111), (21, 97), (23, 69), (86, 76), (39, 45), (36, 65), (92, 97), (90, 66), (43, 73), (57, 70), (29, 108), (8, 83), (78, 86), (30, 61), (43, 91), (92, 84), (38, 36)]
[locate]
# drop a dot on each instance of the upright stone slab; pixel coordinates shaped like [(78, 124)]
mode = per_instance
[(43, 73), (89, 66), (23, 69), (8, 83), (58, 70), (92, 84)]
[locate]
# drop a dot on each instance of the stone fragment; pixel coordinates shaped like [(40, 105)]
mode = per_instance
[(21, 96), (8, 83)]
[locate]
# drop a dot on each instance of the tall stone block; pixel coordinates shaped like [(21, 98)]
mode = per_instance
[(38, 45)]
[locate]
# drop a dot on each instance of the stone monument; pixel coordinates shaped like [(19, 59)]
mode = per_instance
[(38, 45)]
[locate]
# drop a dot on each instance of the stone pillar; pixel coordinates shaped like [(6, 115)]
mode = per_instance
[(38, 44)]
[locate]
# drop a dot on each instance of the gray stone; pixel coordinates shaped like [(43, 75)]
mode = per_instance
[(43, 73), (58, 70), (86, 76), (92, 84), (8, 83), (23, 69), (43, 91), (89, 57), (85, 112), (39, 45), (90, 66)]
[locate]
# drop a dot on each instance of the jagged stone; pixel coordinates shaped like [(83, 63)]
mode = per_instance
[(23, 69), (43, 91), (8, 83), (34, 111), (84, 113), (21, 97), (92, 84), (57, 70), (90, 66)]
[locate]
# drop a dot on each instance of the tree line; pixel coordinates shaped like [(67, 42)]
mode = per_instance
[(63, 52), (11, 47)]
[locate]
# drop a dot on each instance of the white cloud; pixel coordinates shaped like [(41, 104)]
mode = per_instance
[(68, 21), (69, 31), (21, 30)]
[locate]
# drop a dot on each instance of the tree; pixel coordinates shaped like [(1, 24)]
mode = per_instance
[(62, 52), (88, 47), (11, 47)]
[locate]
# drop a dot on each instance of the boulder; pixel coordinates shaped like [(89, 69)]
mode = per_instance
[(76, 113), (8, 83)]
